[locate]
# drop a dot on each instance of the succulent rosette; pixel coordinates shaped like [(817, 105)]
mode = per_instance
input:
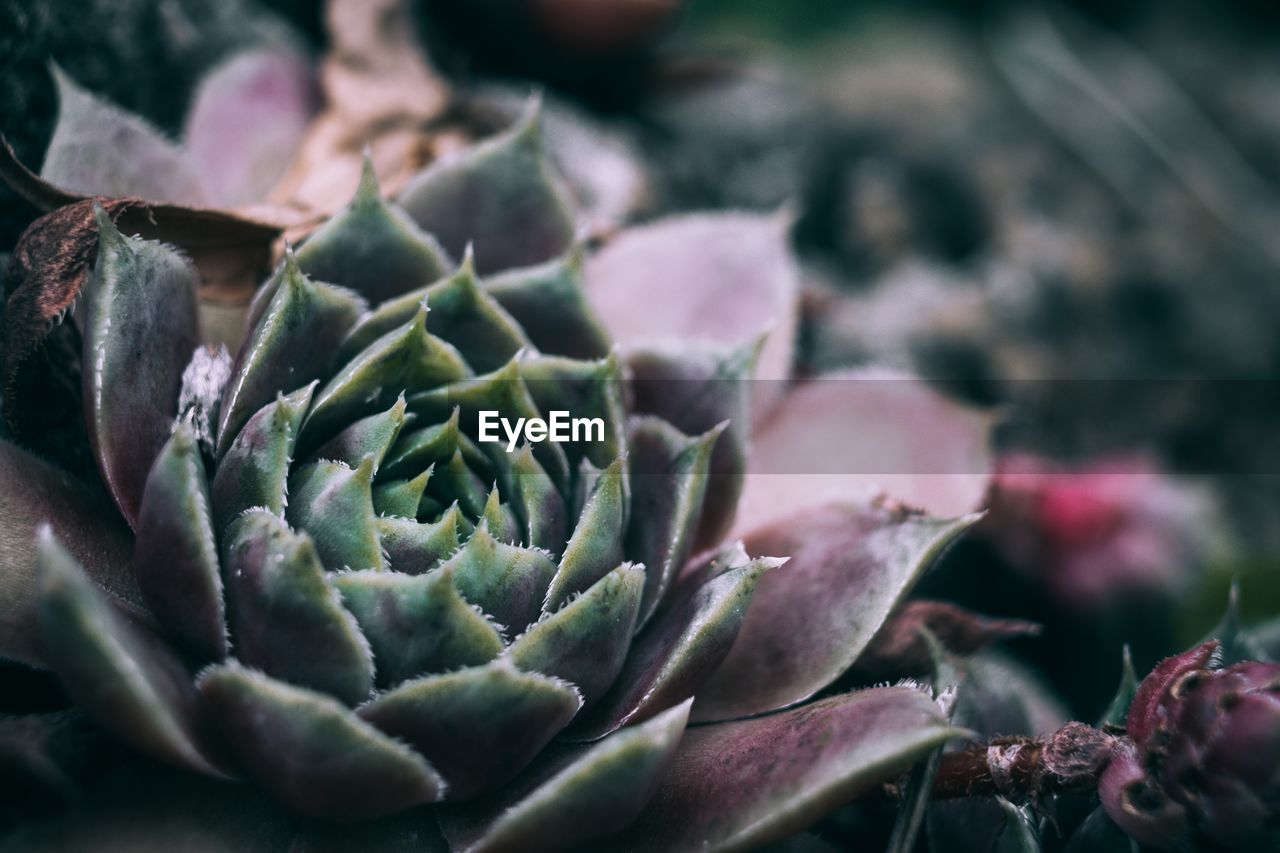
[(328, 586), (1199, 769)]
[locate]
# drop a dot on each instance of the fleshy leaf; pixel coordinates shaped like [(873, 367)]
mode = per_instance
[(291, 344), (175, 557), (1019, 834), (246, 122), (506, 581), (369, 436), (668, 486), (417, 624), (573, 795), (850, 567), (121, 675), (285, 619), (254, 472), (414, 547), (400, 498), (582, 389), (595, 548), (99, 149), (478, 727), (683, 644), (724, 278), (738, 785), (317, 757), (549, 302), (501, 195), (34, 493), (418, 449), (1144, 710), (139, 333), (852, 434), (1118, 709), (543, 514), (334, 503), (585, 642)]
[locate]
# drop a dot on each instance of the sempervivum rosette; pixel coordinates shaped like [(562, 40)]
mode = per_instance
[(340, 593)]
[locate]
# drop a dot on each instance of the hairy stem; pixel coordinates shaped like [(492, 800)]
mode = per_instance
[(1024, 769)]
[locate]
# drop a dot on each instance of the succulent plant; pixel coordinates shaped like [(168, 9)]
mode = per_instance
[(328, 585), (1199, 769)]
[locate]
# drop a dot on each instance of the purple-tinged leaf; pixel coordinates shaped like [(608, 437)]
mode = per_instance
[(417, 624), (505, 581), (725, 278), (254, 472), (595, 548), (334, 503), (34, 493), (572, 795), (1144, 711), (500, 195), (285, 618), (415, 547), (372, 435), (682, 645), (550, 303), (290, 345), (246, 123), (851, 565), (175, 557), (139, 333), (585, 642), (738, 785), (99, 149), (314, 755), (478, 727), (119, 673)]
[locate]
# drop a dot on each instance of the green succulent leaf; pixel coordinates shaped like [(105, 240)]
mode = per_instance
[(1019, 834), (500, 195), (573, 795), (313, 754), (372, 435), (479, 726), (850, 567), (417, 624), (587, 389), (175, 557), (1117, 712), (739, 785), (507, 582), (595, 548), (549, 302), (139, 333), (373, 247), (285, 618), (544, 517), (413, 547), (400, 498), (120, 673), (334, 503)]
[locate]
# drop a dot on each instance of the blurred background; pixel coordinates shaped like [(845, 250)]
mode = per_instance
[(1068, 213)]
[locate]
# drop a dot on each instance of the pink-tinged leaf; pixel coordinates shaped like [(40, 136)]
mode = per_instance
[(247, 120), (738, 785), (723, 279), (119, 673), (853, 434), (99, 149), (33, 493), (1145, 712), (851, 565), (314, 755), (139, 333), (572, 795)]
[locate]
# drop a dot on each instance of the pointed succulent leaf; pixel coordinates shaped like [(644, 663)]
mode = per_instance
[(500, 195), (1144, 710), (850, 567), (668, 486), (683, 644), (740, 785), (1118, 709), (585, 642), (317, 757), (175, 557), (582, 389), (254, 472), (455, 479), (478, 727), (285, 618), (693, 389), (595, 548), (1236, 645), (571, 796), (413, 547), (543, 514), (1019, 834), (369, 436), (549, 302), (400, 498), (334, 503), (291, 344), (98, 149), (34, 493), (417, 624), (420, 448), (408, 358), (508, 582), (124, 677), (139, 333), (656, 283), (500, 519), (246, 122)]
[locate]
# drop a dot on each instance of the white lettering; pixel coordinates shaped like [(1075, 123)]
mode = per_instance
[(513, 435), (486, 425), (560, 428)]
